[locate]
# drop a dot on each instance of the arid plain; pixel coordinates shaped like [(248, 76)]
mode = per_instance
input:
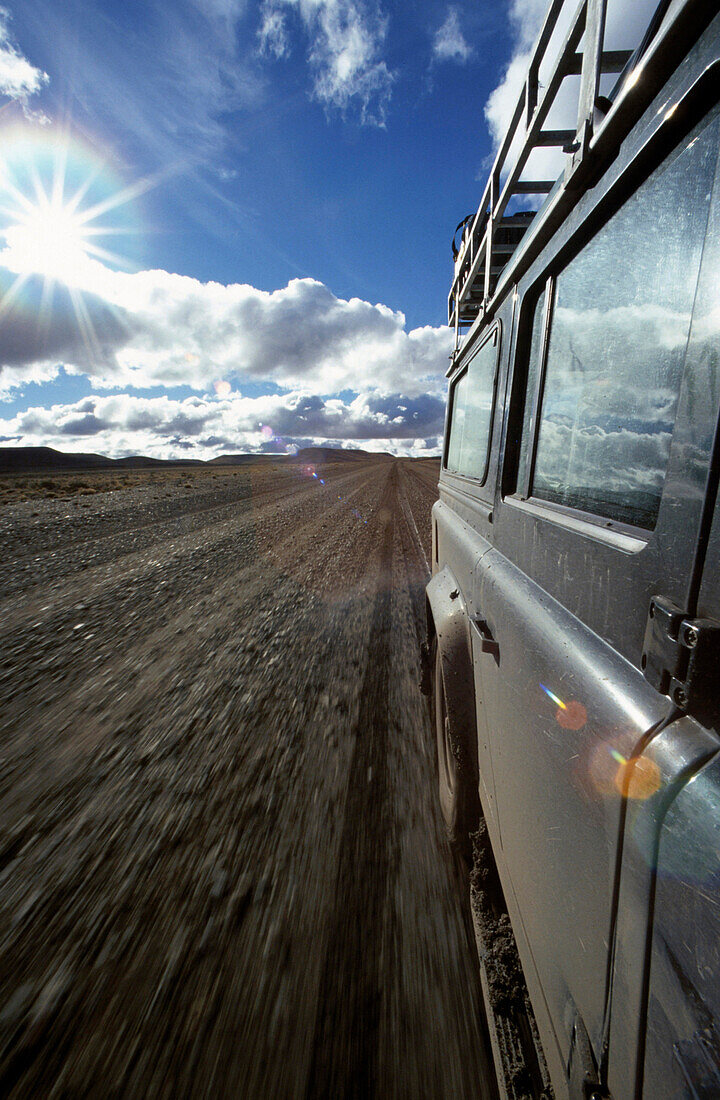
[(222, 866)]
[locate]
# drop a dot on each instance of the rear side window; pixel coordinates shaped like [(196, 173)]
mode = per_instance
[(615, 345), (471, 404)]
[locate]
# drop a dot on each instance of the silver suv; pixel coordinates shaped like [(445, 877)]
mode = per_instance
[(574, 608)]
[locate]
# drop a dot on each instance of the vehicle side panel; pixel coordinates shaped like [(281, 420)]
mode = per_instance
[(563, 709)]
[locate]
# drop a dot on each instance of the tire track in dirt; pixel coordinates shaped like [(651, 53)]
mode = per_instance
[(417, 569), (344, 1061)]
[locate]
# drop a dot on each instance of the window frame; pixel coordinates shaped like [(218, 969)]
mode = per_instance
[(548, 286), (659, 148), (492, 333)]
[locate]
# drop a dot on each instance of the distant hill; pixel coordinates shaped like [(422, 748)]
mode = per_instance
[(18, 459), (47, 458), (141, 462), (337, 454), (243, 460)]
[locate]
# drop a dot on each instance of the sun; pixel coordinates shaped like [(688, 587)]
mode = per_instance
[(54, 203), (58, 202), (50, 240)]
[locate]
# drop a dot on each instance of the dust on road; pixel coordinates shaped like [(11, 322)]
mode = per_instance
[(222, 867)]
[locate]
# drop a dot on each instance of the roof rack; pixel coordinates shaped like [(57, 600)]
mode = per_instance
[(490, 239)]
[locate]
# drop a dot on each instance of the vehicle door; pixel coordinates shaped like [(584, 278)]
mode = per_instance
[(608, 455)]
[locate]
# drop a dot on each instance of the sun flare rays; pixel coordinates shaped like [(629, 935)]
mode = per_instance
[(56, 202)]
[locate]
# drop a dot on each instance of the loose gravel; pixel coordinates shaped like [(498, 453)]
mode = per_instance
[(222, 867)]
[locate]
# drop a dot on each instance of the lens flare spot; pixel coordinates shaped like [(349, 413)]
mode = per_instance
[(638, 779), (222, 387), (266, 432), (571, 716)]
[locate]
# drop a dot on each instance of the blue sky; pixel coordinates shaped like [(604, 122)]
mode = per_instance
[(271, 189)]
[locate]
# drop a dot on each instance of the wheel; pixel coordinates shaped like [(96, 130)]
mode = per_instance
[(457, 777)]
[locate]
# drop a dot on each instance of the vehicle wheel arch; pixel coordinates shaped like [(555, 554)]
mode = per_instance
[(449, 630)]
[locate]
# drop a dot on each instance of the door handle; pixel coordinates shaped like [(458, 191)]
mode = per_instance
[(487, 642)]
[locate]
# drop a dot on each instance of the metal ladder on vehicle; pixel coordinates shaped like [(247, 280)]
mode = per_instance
[(491, 238)]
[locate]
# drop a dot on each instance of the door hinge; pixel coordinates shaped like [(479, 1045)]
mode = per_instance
[(583, 1080), (681, 658), (487, 642)]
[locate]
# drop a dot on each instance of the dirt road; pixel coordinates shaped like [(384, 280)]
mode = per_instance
[(222, 869)]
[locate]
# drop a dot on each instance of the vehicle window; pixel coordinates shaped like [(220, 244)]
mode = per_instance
[(617, 339), (471, 401)]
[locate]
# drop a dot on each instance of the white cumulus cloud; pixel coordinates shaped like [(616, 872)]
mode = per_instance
[(203, 427), (273, 33), (346, 38), (18, 78), (155, 328), (449, 43)]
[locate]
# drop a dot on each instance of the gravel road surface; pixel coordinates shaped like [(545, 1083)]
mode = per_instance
[(222, 867)]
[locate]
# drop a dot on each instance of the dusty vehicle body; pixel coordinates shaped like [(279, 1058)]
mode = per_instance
[(574, 608)]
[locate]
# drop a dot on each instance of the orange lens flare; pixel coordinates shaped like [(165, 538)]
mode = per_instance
[(638, 779)]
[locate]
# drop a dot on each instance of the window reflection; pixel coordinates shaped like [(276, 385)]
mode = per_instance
[(471, 410), (618, 337)]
